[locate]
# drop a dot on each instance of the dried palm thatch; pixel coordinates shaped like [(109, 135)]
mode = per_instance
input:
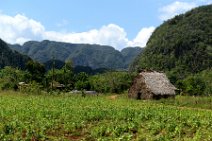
[(151, 85)]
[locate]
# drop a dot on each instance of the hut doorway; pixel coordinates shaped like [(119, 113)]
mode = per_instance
[(139, 95), (157, 97)]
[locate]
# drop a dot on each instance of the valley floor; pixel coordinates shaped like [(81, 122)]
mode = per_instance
[(114, 117)]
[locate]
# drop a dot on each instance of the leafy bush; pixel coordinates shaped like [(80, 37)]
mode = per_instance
[(6, 84), (198, 84), (114, 82), (194, 85), (206, 77), (9, 78)]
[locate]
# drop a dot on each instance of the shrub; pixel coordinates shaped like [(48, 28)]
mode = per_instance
[(113, 82), (194, 85)]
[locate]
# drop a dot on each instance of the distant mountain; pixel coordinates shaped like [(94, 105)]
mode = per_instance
[(94, 56), (129, 54), (9, 57), (180, 45), (57, 64)]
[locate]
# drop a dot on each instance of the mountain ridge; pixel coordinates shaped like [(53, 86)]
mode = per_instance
[(92, 55)]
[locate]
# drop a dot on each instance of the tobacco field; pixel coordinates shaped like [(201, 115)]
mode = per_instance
[(72, 117)]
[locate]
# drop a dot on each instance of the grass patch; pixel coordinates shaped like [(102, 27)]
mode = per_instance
[(203, 102)]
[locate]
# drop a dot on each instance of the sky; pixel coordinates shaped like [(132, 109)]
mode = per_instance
[(118, 23)]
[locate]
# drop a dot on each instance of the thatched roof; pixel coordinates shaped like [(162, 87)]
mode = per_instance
[(158, 83)]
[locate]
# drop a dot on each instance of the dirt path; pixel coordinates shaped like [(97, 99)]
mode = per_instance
[(112, 97)]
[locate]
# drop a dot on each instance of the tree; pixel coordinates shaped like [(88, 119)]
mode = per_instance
[(36, 70), (68, 75), (63, 76), (81, 81)]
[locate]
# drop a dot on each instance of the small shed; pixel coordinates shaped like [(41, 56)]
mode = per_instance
[(151, 85), (56, 85), (22, 85)]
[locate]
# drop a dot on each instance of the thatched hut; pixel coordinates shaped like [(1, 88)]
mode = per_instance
[(151, 85)]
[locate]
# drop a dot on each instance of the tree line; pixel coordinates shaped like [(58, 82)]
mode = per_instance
[(35, 78)]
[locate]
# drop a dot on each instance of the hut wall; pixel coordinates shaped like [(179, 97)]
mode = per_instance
[(146, 94), (139, 90), (135, 88)]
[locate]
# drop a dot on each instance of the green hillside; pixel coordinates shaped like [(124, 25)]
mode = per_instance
[(182, 45), (10, 57), (94, 56)]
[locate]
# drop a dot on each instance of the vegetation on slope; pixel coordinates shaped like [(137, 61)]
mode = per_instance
[(9, 57), (182, 44)]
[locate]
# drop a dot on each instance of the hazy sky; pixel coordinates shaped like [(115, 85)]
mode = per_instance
[(118, 23)]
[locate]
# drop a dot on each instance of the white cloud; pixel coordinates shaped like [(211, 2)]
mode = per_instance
[(19, 29), (175, 8), (142, 37), (107, 35), (204, 1), (179, 7)]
